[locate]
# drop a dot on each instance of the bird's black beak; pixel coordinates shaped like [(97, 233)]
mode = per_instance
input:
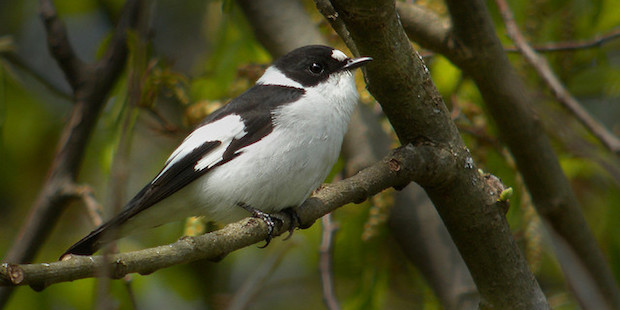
[(356, 63)]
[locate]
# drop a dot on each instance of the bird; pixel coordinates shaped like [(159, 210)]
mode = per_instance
[(263, 152)]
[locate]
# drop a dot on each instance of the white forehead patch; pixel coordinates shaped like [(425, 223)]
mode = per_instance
[(338, 55), (273, 76)]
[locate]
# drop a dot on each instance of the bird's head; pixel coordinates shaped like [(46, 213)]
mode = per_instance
[(311, 66)]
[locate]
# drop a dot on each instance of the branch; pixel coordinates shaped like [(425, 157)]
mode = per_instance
[(399, 80), (325, 264), (425, 241), (254, 283), (59, 45), (595, 42), (90, 84), (540, 64), (481, 56), (427, 29), (294, 27), (12, 58), (364, 144), (394, 170), (434, 33), (90, 90), (327, 10)]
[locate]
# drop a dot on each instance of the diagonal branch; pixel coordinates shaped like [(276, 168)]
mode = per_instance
[(326, 8), (396, 169), (91, 84), (540, 64), (59, 45)]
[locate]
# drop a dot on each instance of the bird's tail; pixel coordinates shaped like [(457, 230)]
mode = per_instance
[(110, 230), (95, 240)]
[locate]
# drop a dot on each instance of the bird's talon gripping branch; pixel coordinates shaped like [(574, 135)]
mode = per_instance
[(267, 218), (295, 221)]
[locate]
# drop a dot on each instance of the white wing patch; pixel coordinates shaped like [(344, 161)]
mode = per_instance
[(225, 130), (273, 76), (338, 55)]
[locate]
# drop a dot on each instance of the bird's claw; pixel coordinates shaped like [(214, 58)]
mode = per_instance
[(270, 220), (295, 221)]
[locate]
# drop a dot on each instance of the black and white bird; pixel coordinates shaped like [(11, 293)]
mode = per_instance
[(263, 152)]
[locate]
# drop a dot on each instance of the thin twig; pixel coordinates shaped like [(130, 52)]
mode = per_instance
[(325, 263), (128, 280), (22, 66), (564, 46), (255, 283), (326, 8), (540, 64), (597, 41), (93, 207)]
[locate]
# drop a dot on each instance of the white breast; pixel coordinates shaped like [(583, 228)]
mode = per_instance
[(283, 168)]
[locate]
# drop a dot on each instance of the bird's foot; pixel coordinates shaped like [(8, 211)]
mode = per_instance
[(295, 221), (266, 217), (271, 219)]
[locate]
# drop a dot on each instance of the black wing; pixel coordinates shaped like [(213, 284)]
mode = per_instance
[(254, 107)]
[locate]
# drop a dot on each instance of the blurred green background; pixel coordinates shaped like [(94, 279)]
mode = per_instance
[(204, 52)]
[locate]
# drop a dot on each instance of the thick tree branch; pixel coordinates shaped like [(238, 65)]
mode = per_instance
[(430, 31), (398, 79), (481, 56), (424, 239), (394, 170), (294, 26), (326, 8), (364, 144)]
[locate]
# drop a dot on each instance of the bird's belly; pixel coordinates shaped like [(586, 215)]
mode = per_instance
[(266, 178)]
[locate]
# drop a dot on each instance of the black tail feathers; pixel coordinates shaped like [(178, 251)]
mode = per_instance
[(110, 230), (94, 241), (87, 246)]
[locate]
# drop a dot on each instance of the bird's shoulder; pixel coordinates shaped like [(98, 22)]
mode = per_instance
[(219, 139), (257, 102)]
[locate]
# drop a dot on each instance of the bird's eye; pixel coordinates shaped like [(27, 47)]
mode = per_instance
[(316, 68)]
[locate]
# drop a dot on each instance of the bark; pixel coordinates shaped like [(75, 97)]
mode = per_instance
[(398, 79), (364, 144), (418, 229), (394, 170), (90, 84), (471, 43), (280, 26)]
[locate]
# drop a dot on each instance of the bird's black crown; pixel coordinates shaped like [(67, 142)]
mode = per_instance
[(310, 65)]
